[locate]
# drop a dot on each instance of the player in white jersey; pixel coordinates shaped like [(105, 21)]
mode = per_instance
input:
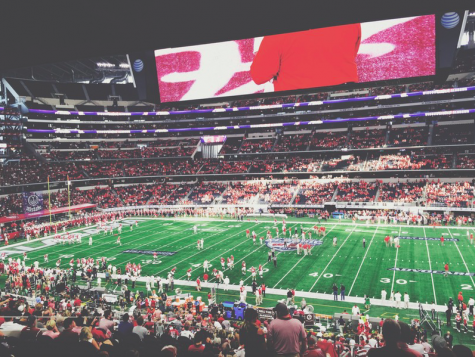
[(202, 242), (195, 229), (90, 240), (45, 257), (120, 229), (261, 240), (205, 266), (334, 241), (118, 241)]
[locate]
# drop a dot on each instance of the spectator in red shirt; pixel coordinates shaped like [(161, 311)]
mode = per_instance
[(77, 302)]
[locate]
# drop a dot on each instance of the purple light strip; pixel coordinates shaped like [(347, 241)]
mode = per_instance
[(255, 126), (260, 107)]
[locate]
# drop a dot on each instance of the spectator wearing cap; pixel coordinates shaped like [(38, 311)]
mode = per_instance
[(286, 336), (313, 350), (391, 335), (252, 336)]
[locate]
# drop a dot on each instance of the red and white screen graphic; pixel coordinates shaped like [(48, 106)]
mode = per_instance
[(366, 52)]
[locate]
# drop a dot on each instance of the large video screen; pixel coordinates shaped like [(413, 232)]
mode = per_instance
[(363, 52)]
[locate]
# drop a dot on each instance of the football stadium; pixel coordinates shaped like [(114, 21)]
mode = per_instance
[(302, 187)]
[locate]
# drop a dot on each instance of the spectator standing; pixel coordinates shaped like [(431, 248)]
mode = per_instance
[(125, 327), (252, 336), (286, 336)]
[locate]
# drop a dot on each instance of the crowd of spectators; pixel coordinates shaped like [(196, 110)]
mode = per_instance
[(278, 193), (450, 194), (322, 140), (241, 192), (11, 204), (401, 192), (135, 195), (104, 197), (231, 146), (465, 161), (453, 134), (233, 167), (206, 192), (179, 193), (256, 145), (362, 139), (295, 142), (61, 198), (314, 193), (409, 162), (296, 164), (361, 191), (408, 136), (343, 163), (55, 155)]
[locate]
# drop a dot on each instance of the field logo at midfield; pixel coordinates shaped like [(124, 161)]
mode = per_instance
[(278, 243), (428, 238)]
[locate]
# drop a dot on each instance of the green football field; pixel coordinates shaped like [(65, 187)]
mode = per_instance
[(362, 270)]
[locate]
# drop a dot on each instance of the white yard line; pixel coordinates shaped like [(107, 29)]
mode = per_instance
[(430, 266), (362, 262), (94, 247), (323, 271), (255, 250), (395, 263), (461, 256), (68, 246), (299, 261), (189, 245), (289, 271), (201, 251), (115, 246)]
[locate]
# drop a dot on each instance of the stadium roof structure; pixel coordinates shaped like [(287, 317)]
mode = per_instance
[(38, 33)]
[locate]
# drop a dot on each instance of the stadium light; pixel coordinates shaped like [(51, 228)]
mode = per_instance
[(124, 65)]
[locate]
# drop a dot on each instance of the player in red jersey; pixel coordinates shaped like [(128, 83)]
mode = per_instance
[(247, 233), (446, 269), (442, 239), (253, 273)]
